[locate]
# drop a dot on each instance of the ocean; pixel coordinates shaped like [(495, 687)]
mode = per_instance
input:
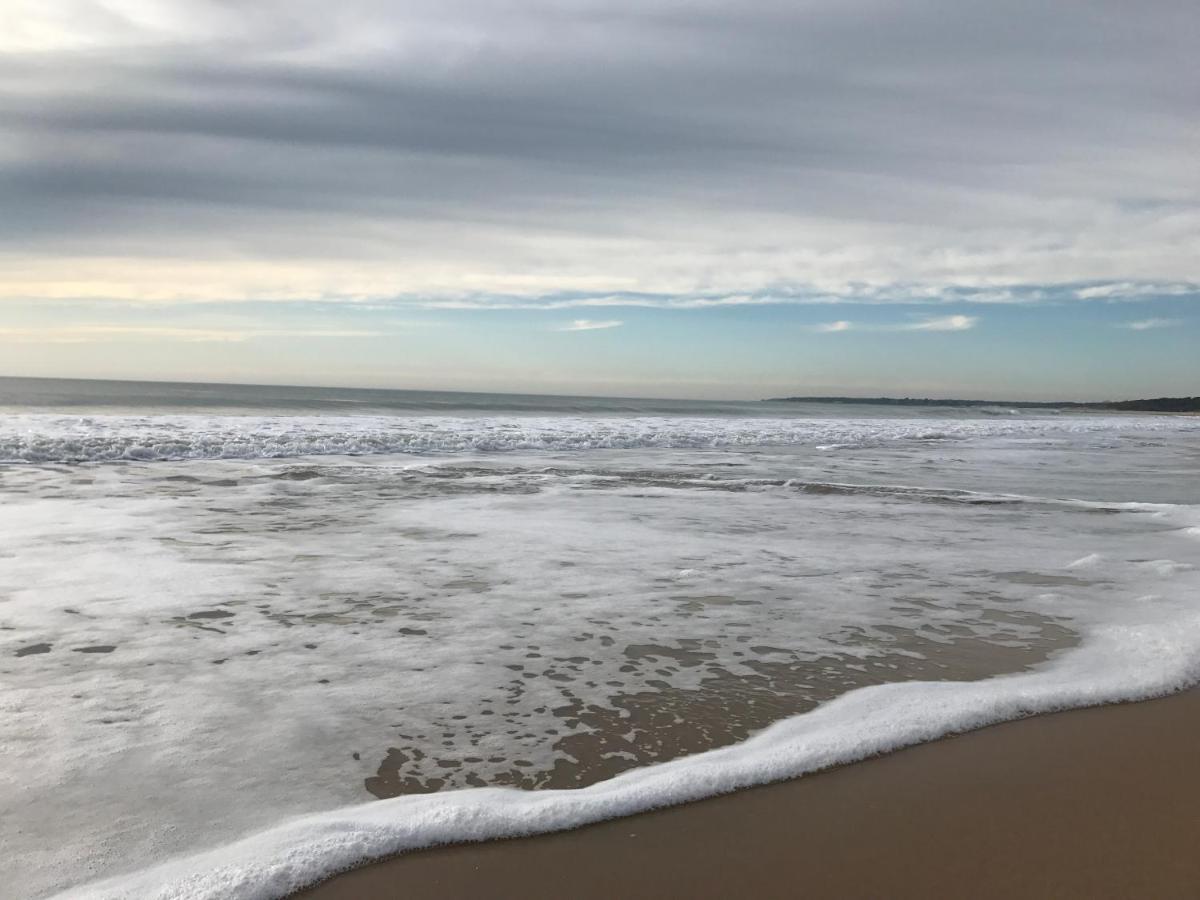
[(250, 636)]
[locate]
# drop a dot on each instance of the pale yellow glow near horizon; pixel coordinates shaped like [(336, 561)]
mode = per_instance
[(442, 279), (156, 281), (43, 26), (87, 334)]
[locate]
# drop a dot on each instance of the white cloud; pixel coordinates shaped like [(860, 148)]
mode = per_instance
[(943, 323), (1147, 324), (592, 324), (1125, 290)]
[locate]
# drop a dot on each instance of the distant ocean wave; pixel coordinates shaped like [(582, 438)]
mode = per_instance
[(48, 438)]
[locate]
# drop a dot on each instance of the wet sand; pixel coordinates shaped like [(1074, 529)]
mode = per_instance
[(1095, 803)]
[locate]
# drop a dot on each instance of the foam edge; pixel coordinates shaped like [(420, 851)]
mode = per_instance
[(1119, 663)]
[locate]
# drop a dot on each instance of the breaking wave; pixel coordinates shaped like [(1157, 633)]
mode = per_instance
[(42, 438)]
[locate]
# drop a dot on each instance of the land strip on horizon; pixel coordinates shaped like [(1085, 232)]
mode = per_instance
[(1157, 404)]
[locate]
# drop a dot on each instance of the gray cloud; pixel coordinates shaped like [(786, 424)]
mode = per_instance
[(473, 148)]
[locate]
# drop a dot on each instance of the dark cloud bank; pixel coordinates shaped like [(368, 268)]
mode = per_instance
[(653, 146)]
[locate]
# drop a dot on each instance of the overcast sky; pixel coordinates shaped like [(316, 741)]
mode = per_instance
[(698, 199)]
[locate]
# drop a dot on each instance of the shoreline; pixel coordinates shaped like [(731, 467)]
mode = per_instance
[(1096, 802)]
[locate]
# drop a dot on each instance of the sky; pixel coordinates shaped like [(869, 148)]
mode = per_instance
[(687, 199)]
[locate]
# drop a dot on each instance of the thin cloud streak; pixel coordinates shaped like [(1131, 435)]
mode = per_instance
[(852, 294), (942, 323), (1148, 324), (591, 325), (862, 295)]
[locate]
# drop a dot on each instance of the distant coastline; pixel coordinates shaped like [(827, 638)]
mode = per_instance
[(1157, 404)]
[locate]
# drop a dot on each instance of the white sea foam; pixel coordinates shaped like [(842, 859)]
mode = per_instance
[(1118, 663), (50, 438), (275, 626)]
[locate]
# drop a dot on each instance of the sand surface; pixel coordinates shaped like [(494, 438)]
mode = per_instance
[(1093, 803)]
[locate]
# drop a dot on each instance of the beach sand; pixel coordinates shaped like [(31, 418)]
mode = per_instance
[(1095, 803)]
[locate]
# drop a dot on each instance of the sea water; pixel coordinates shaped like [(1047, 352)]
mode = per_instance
[(249, 636)]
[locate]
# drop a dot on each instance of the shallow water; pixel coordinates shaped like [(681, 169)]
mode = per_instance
[(195, 647)]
